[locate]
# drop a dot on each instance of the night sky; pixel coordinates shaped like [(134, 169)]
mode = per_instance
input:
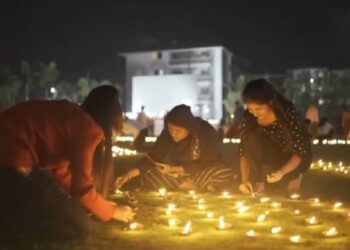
[(84, 36)]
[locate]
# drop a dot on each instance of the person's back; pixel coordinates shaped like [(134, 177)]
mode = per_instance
[(35, 132)]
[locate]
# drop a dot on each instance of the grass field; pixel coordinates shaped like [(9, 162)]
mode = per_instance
[(329, 186)]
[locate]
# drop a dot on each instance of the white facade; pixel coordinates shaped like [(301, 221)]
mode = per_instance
[(159, 94), (211, 67)]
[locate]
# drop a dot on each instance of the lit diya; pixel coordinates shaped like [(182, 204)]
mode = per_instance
[(222, 225), (330, 232), (312, 220), (187, 229)]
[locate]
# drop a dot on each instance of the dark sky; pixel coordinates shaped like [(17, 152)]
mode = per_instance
[(85, 36)]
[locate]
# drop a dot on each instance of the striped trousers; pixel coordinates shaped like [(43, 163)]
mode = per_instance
[(216, 176)]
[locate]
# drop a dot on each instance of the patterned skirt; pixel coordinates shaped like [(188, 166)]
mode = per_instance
[(216, 175)]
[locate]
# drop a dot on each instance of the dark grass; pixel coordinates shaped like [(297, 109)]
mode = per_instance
[(328, 186)]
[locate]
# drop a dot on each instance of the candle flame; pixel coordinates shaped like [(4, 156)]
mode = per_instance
[(191, 192), (172, 222), (210, 214), (162, 192), (295, 238), (296, 211), (276, 230), (331, 232), (133, 226), (312, 220), (264, 199), (221, 223), (243, 209), (295, 196), (226, 195), (338, 205), (187, 228), (251, 233), (261, 218), (276, 204)]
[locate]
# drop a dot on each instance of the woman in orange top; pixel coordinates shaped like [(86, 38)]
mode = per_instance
[(48, 155)]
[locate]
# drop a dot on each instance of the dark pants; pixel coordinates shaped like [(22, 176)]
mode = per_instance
[(36, 206), (265, 157)]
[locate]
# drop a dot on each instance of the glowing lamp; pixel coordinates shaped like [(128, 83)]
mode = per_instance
[(276, 230), (330, 232), (162, 192), (295, 239), (222, 225), (261, 218), (187, 229), (312, 220), (264, 199), (251, 233)]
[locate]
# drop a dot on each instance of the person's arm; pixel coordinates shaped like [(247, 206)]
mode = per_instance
[(84, 139), (244, 166), (209, 151), (158, 152), (291, 164), (300, 145)]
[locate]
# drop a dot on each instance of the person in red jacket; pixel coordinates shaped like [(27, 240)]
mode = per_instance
[(49, 154)]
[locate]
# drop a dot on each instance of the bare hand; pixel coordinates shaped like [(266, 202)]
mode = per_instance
[(121, 180), (246, 187), (165, 168), (275, 176), (188, 184), (124, 213)]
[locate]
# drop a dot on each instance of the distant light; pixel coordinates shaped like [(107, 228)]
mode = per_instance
[(312, 80), (53, 90)]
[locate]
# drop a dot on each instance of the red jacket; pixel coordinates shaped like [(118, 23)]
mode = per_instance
[(59, 137)]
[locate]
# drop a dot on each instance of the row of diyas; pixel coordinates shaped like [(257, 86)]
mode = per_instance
[(237, 140)]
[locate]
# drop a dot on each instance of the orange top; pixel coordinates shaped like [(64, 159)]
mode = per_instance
[(58, 137)]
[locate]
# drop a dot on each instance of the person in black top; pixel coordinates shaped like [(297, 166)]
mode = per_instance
[(185, 156), (273, 140)]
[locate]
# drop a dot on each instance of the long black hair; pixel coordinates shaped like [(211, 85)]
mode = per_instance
[(102, 104), (260, 91)]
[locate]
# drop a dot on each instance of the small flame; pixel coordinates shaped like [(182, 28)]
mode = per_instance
[(295, 196), (264, 199), (251, 233), (243, 209), (162, 192), (295, 238), (133, 226), (337, 205), (210, 214), (276, 230), (331, 232), (296, 211), (172, 222), (226, 195), (187, 228), (276, 204), (221, 223), (312, 220), (261, 218), (191, 192)]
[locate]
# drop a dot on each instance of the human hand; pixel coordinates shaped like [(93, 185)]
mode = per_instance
[(275, 176), (124, 214), (121, 180), (246, 187), (188, 184), (165, 168)]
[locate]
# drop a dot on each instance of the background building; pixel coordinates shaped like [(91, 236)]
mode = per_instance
[(210, 66)]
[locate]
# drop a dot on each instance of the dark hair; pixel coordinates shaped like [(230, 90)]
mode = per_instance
[(102, 104), (181, 116), (262, 92)]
